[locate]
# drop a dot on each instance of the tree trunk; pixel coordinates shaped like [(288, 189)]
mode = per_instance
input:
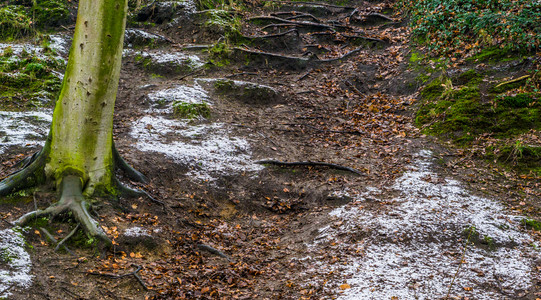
[(82, 128), (79, 154)]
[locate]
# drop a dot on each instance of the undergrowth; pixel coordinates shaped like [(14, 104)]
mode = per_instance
[(460, 27), (28, 80)]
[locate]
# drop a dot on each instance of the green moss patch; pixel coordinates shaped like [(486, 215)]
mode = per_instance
[(28, 80), (14, 22), (190, 111)]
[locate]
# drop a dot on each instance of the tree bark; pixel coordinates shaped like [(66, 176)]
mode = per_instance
[(82, 127)]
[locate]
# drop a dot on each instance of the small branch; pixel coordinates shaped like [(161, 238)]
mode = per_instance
[(114, 276), (214, 251), (61, 243), (304, 75), (52, 239), (308, 163), (242, 73)]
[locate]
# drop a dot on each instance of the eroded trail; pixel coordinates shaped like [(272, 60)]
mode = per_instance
[(304, 82)]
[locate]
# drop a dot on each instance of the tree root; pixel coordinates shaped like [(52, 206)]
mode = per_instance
[(132, 173), (296, 15), (302, 3), (294, 62), (71, 200), (123, 190), (296, 23), (114, 276), (23, 178), (269, 36), (308, 163)]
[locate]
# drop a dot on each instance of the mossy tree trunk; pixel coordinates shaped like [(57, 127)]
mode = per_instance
[(82, 128), (79, 154)]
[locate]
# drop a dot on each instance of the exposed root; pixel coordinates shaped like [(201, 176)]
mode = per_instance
[(314, 4), (296, 23), (24, 177), (123, 190), (71, 200), (296, 15), (269, 36), (132, 173), (308, 163)]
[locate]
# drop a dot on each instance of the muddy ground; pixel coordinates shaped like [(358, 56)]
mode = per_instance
[(414, 222)]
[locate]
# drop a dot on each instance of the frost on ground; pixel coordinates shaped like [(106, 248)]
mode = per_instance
[(162, 100), (413, 244), (23, 128), (136, 231), (15, 263), (208, 150), (166, 60)]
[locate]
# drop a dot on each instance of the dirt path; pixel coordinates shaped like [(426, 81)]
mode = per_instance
[(314, 82)]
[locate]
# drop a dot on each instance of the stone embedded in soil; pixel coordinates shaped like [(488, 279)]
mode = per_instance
[(137, 37), (23, 128), (162, 100), (411, 245), (15, 263), (166, 62), (247, 92), (208, 150)]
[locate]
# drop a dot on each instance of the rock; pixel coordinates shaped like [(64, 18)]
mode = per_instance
[(137, 37), (247, 92), (163, 12)]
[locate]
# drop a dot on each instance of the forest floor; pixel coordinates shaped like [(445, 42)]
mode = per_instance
[(413, 218)]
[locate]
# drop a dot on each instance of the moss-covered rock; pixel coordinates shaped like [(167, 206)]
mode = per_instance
[(247, 92), (49, 13), (14, 22)]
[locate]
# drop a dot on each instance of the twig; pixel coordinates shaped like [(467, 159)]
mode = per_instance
[(114, 276), (214, 251), (52, 239), (7, 289), (304, 75), (308, 163), (242, 73), (189, 74), (460, 263), (61, 243)]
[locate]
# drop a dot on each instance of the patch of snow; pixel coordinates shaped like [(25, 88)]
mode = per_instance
[(23, 128), (162, 100), (136, 231), (60, 43), (142, 33), (170, 58), (208, 150), (15, 262), (414, 242), (37, 51)]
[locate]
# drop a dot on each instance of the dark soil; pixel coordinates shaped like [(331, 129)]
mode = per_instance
[(356, 112)]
